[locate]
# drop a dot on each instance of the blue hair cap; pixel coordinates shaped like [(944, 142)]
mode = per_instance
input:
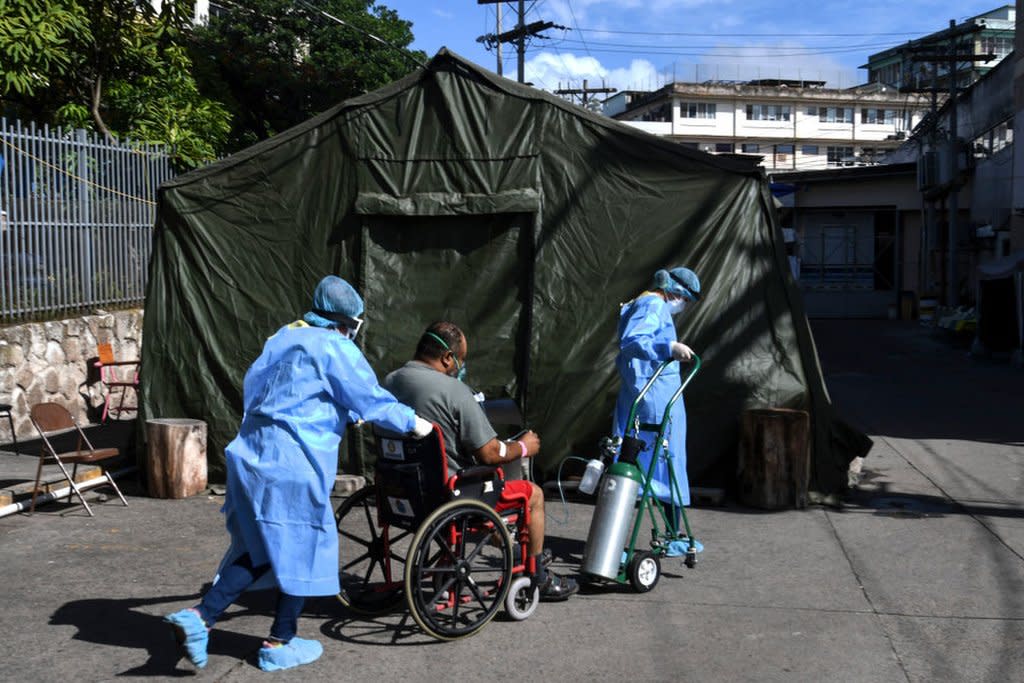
[(680, 281), (334, 295)]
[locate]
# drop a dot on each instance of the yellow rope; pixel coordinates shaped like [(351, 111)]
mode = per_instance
[(77, 177)]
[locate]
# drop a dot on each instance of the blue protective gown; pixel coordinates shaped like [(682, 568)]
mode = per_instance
[(299, 394), (646, 333)]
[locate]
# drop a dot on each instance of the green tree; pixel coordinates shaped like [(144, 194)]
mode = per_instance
[(35, 37), (116, 66), (275, 63)]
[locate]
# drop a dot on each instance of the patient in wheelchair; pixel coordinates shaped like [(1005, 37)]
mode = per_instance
[(431, 384)]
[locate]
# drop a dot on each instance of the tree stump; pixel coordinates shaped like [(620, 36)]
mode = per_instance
[(176, 466), (774, 458)]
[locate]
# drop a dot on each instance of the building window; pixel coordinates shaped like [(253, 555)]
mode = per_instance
[(750, 148), (784, 149), (697, 110), (724, 148), (768, 112), (838, 255), (885, 116), (812, 111), (809, 150), (840, 156), (662, 113), (999, 46), (871, 155), (835, 114)]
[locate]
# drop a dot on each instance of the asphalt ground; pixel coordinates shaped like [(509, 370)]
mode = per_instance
[(917, 577)]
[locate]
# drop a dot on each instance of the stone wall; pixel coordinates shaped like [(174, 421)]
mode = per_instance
[(52, 361)]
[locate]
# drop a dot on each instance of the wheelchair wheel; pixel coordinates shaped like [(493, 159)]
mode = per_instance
[(371, 559), (522, 599), (459, 569), (644, 571)]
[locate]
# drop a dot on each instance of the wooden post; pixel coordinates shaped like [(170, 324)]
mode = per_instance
[(774, 458), (176, 467)]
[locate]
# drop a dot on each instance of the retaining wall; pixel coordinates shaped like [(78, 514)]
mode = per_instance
[(52, 361)]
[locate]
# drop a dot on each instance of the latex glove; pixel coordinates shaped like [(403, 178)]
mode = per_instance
[(423, 428), (681, 351)]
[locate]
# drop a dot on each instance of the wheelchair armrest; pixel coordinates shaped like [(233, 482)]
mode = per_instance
[(479, 473)]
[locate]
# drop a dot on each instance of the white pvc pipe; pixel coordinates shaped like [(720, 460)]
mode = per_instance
[(23, 505)]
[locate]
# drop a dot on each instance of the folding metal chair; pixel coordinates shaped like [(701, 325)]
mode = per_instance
[(115, 374), (50, 420), (5, 411)]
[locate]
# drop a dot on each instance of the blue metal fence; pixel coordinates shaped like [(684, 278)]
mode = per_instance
[(76, 220)]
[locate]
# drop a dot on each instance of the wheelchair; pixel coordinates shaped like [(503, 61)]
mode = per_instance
[(433, 541)]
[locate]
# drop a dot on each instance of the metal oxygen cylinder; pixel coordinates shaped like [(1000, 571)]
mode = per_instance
[(611, 521)]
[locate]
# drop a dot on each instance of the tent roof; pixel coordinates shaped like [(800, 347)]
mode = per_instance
[(445, 59)]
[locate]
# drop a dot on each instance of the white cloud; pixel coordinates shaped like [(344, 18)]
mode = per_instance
[(444, 14), (547, 70), (550, 70)]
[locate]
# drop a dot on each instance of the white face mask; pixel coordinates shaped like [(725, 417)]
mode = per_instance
[(676, 306)]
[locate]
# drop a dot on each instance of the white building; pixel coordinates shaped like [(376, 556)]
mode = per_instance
[(988, 33), (793, 125)]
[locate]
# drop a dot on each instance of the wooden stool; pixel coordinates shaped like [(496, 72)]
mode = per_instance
[(774, 458), (176, 463)]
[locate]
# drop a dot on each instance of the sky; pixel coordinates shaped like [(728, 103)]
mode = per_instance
[(643, 44)]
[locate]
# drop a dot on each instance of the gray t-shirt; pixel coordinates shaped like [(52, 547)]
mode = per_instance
[(445, 400)]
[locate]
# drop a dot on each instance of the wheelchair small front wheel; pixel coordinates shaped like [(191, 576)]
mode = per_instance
[(459, 569), (522, 599)]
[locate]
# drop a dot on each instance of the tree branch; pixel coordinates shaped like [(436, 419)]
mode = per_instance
[(97, 89)]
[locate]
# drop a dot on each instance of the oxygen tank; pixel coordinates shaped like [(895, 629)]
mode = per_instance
[(611, 521)]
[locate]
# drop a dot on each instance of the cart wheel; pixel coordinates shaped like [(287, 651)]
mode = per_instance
[(522, 599), (691, 558), (371, 561), (644, 571), (459, 569)]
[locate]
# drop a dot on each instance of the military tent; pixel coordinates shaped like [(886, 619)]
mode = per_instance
[(457, 194)]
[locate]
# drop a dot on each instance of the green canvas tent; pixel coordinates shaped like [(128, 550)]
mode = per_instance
[(456, 194)]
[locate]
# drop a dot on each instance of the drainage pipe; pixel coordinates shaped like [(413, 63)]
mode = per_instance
[(23, 505)]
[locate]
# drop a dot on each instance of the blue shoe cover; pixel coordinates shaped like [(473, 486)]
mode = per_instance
[(191, 634), (295, 652), (679, 548)]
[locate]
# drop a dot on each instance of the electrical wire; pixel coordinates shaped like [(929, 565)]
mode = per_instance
[(740, 47), (405, 53), (707, 34)]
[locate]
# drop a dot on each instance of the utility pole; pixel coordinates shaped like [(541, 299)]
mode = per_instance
[(952, 57), (518, 35), (583, 92)]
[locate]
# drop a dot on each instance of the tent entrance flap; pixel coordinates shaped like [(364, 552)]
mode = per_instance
[(473, 270)]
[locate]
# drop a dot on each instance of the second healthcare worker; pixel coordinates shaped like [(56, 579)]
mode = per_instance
[(647, 338), (307, 384)]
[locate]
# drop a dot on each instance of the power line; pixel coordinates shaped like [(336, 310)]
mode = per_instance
[(706, 34), (669, 51), (405, 53), (814, 48), (577, 25)]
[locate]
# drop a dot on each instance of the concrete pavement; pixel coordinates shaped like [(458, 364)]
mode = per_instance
[(918, 578)]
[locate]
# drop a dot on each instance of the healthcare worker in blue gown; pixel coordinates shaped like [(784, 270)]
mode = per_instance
[(647, 338), (307, 384)]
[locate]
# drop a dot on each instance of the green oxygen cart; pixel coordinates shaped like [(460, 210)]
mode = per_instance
[(625, 489)]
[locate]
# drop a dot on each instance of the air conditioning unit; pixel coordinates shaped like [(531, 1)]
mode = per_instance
[(927, 171)]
